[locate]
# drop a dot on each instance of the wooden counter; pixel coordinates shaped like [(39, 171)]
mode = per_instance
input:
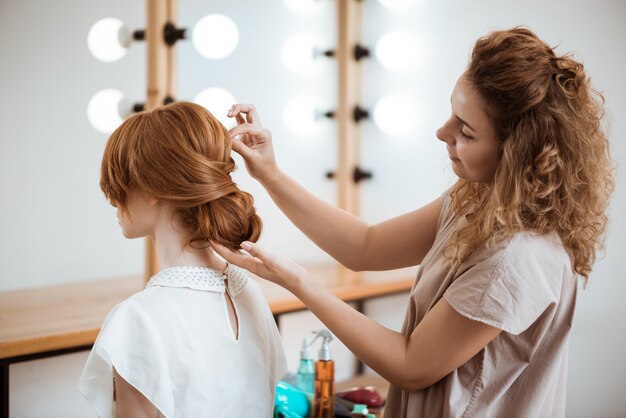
[(68, 316)]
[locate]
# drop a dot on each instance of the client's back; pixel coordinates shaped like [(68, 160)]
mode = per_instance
[(175, 341)]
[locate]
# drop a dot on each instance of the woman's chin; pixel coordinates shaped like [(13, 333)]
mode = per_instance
[(130, 234)]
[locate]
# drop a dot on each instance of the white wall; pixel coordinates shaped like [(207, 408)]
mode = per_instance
[(55, 226)]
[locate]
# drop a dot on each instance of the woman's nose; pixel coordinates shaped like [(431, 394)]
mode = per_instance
[(443, 133)]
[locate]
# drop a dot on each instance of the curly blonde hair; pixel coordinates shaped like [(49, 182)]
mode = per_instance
[(555, 172)]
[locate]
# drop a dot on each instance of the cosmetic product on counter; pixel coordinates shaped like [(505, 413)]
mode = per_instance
[(324, 379), (290, 402), (367, 395), (306, 369)]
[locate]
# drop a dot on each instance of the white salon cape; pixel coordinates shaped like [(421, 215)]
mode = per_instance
[(173, 342)]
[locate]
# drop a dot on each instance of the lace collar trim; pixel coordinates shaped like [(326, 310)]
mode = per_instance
[(201, 278)]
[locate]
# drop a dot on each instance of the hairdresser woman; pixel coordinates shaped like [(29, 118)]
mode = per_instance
[(500, 253)]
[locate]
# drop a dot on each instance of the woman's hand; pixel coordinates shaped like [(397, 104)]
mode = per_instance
[(254, 143), (280, 270)]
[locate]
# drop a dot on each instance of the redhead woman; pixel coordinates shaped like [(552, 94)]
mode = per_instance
[(199, 340)]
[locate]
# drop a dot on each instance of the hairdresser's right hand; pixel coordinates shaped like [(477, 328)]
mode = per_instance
[(257, 260), (253, 142)]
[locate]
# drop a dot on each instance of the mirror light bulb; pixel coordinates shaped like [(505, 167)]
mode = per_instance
[(397, 4), (108, 39), (300, 116), (299, 53), (304, 6), (103, 110), (396, 115), (398, 51), (218, 101), (215, 36)]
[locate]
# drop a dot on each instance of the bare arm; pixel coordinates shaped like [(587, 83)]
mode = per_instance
[(130, 403), (443, 341), (399, 242)]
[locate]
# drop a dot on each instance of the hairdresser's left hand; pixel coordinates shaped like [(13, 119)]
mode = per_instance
[(258, 260)]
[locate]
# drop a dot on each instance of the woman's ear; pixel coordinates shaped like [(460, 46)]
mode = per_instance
[(149, 199)]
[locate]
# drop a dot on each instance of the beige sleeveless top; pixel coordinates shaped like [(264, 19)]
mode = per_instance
[(524, 286)]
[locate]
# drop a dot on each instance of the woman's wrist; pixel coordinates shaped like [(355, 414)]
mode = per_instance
[(271, 178), (299, 283)]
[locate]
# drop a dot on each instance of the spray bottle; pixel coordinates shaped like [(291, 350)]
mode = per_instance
[(306, 369), (324, 379)]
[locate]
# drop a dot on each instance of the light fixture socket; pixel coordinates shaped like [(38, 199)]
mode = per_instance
[(360, 52), (321, 114), (358, 114), (140, 107), (359, 174), (139, 35), (172, 34), (320, 52)]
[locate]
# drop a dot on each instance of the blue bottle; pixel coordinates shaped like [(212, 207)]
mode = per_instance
[(290, 402), (306, 370)]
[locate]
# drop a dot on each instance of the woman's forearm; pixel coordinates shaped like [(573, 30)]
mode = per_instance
[(339, 233), (443, 340), (382, 349)]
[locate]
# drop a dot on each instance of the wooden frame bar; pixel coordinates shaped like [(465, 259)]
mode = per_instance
[(349, 14), (349, 96), (160, 80)]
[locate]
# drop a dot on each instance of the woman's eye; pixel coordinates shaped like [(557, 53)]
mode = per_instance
[(465, 136)]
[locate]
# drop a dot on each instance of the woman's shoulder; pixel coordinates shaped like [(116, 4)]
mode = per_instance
[(252, 296), (530, 245), (535, 260), (446, 213), (510, 284), (132, 307), (527, 256), (523, 246)]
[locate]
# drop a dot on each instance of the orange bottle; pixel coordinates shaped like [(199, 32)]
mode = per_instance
[(324, 401)]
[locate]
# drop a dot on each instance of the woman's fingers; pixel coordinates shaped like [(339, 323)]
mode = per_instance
[(252, 116), (241, 148), (240, 120), (254, 141), (238, 258), (261, 262), (259, 252), (247, 128)]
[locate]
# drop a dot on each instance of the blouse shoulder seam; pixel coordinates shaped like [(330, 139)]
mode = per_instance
[(496, 269)]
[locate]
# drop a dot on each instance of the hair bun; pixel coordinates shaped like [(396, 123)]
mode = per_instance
[(229, 220)]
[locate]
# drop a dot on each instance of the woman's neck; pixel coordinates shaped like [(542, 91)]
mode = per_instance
[(170, 242)]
